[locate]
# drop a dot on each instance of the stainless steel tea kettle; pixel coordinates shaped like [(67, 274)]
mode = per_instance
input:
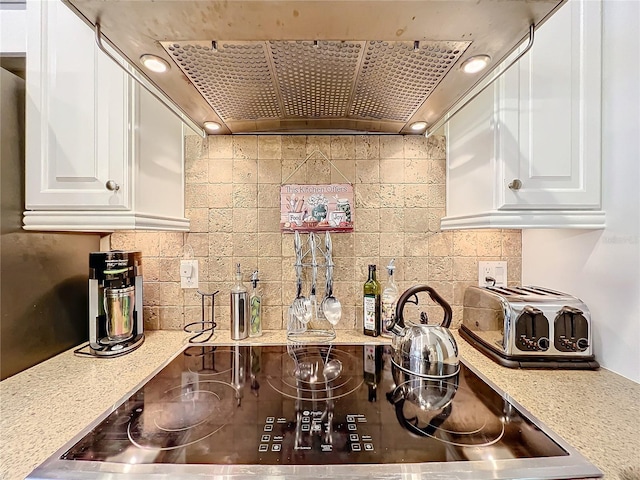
[(425, 350)]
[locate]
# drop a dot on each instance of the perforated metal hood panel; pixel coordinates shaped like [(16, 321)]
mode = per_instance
[(278, 66)]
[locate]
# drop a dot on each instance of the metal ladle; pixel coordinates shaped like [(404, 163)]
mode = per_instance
[(331, 306)]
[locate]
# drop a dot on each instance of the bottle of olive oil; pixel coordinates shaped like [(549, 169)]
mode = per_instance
[(371, 304)]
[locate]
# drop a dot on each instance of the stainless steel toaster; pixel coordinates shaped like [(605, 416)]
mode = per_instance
[(528, 327)]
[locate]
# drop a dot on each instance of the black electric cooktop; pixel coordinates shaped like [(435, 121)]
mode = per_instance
[(317, 406)]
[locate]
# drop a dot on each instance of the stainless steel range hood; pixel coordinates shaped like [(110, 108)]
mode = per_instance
[(295, 65)]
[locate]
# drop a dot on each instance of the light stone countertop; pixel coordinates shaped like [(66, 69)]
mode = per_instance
[(45, 406)]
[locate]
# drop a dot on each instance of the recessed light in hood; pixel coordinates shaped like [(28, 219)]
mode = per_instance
[(154, 63), (297, 65), (475, 64)]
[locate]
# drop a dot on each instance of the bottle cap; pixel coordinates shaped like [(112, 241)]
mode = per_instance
[(254, 279), (391, 267)]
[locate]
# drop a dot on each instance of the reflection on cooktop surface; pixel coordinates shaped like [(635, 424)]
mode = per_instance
[(312, 405)]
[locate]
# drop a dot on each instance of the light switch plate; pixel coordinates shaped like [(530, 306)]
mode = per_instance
[(492, 270), (189, 273)]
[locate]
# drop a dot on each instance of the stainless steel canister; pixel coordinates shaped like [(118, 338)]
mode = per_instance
[(239, 315), (118, 306)]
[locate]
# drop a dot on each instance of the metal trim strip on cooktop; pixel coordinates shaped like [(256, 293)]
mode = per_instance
[(571, 466)]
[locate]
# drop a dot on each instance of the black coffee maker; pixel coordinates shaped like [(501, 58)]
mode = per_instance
[(115, 302)]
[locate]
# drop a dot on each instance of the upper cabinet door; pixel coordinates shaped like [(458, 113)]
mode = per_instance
[(78, 136), (549, 118)]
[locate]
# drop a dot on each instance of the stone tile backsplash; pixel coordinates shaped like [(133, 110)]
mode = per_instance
[(232, 198)]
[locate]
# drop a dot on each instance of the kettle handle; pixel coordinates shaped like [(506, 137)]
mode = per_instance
[(399, 316)]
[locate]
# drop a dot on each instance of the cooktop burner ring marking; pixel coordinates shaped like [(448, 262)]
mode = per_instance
[(458, 444), (187, 427), (221, 414)]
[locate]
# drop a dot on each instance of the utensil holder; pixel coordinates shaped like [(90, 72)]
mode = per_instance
[(317, 329)]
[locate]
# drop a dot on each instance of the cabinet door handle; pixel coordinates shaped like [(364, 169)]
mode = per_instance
[(515, 184), (112, 186)]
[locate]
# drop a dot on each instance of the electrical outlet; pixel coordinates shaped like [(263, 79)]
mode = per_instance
[(492, 270), (189, 273)]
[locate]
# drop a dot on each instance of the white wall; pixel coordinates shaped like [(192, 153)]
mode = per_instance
[(603, 267)]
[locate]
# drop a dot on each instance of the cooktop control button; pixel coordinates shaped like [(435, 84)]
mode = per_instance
[(276, 447), (351, 426), (368, 447), (268, 428), (355, 447), (270, 419), (265, 438), (351, 418), (353, 437), (305, 427), (306, 419), (263, 448)]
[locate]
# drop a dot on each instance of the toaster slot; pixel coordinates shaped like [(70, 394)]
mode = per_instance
[(532, 330), (571, 330)]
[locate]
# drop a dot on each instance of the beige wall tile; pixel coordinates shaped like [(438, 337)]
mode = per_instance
[(392, 170), (199, 243), (391, 219), (367, 146), (368, 220), (221, 171), (416, 220), (269, 220), (197, 169), (221, 220), (343, 147), (464, 243), (368, 171), (171, 318), (198, 219), (437, 196), (416, 244), (440, 268), (245, 244), (294, 171), (391, 146), (391, 195), (220, 244), (415, 146), (169, 269), (245, 170), (245, 146), (318, 170), (150, 268), (437, 147), (170, 294), (392, 244), (270, 244), (318, 143), (219, 196), (245, 195), (150, 294), (268, 196), (367, 244), (269, 170), (245, 220), (220, 146), (489, 243), (512, 243), (123, 241), (170, 243), (269, 147), (416, 195), (416, 170), (343, 168), (196, 195), (465, 268), (221, 269), (294, 147), (151, 316), (367, 196), (441, 244), (437, 171)]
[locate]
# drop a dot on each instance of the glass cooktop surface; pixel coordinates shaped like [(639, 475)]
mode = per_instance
[(309, 405)]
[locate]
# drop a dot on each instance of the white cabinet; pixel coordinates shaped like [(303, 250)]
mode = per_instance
[(88, 126), (526, 152)]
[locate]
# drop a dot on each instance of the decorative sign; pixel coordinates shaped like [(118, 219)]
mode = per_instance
[(316, 208)]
